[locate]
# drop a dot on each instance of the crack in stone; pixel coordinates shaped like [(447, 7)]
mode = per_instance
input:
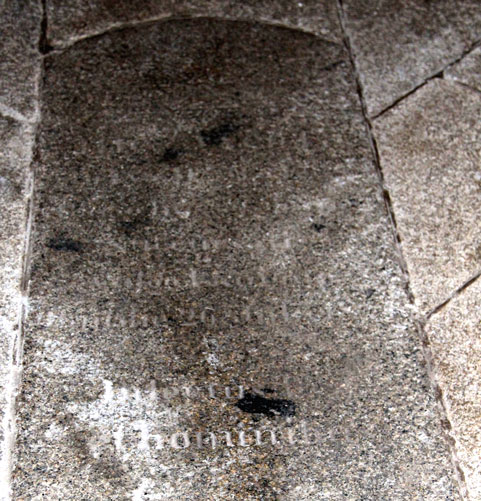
[(394, 104), (455, 294), (438, 74), (44, 46)]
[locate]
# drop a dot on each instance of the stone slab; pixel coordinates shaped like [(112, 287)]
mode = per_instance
[(455, 336), (468, 70), (15, 143), (70, 20), (217, 311), (398, 45), (430, 151), (19, 58)]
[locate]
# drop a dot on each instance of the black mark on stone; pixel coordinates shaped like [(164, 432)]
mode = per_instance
[(369, 293), (170, 154), (318, 227), (255, 404), (64, 244), (214, 136)]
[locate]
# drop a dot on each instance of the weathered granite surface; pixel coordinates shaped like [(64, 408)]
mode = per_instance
[(430, 150), (19, 57), (208, 215), (455, 335), (399, 44), (468, 70), (70, 20), (15, 143)]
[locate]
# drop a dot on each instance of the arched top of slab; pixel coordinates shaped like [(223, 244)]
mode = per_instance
[(71, 20)]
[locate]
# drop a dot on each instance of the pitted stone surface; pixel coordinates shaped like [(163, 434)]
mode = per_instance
[(455, 336), (430, 150), (15, 142), (400, 44), (468, 70), (208, 216), (70, 20), (19, 58)]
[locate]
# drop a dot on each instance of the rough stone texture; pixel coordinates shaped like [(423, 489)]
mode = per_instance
[(15, 143), (19, 58), (430, 150), (70, 20), (208, 215), (455, 335), (468, 70), (398, 44)]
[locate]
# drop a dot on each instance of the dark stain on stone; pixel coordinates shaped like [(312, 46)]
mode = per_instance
[(64, 244), (255, 404), (369, 293), (214, 136), (129, 227), (318, 227), (170, 154), (331, 66)]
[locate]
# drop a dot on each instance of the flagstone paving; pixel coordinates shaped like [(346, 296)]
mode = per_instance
[(455, 335), (399, 45), (431, 164), (218, 308), (243, 173)]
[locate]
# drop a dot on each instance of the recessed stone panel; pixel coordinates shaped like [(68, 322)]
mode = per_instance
[(216, 307)]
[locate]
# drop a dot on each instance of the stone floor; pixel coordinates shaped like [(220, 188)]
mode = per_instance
[(241, 250)]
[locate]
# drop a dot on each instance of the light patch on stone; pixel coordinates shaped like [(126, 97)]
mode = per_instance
[(144, 491), (54, 432), (119, 413), (61, 360)]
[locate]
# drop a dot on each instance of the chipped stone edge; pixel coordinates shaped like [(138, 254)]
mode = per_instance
[(441, 399)]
